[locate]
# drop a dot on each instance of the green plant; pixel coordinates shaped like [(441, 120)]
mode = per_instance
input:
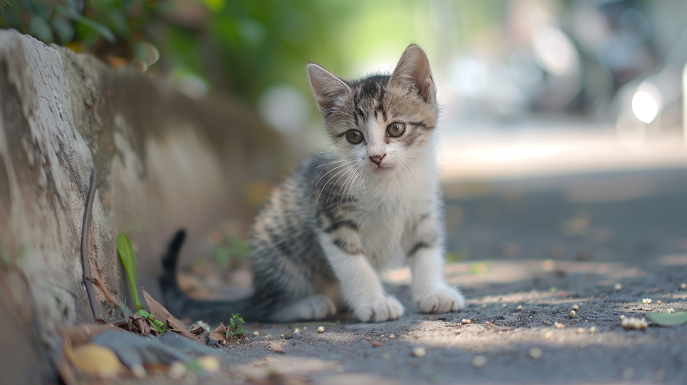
[(126, 254), (242, 46), (157, 324), (235, 330), (60, 21), (237, 250)]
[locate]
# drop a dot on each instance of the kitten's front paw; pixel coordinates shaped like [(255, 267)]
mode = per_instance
[(379, 310), (443, 300)]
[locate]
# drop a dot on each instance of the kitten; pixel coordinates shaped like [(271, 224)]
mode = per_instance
[(344, 216)]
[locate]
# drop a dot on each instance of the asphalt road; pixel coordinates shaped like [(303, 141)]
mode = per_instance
[(525, 253)]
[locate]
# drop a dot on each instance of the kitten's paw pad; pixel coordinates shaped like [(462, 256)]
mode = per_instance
[(379, 310), (444, 300)]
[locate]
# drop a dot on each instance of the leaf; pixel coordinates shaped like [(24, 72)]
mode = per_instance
[(667, 319), (160, 313), (237, 319), (63, 29), (96, 360), (215, 5), (40, 29), (144, 313), (99, 28), (219, 333), (275, 347), (159, 325), (147, 52), (126, 254)]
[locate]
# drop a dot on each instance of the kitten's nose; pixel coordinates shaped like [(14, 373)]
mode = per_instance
[(377, 159)]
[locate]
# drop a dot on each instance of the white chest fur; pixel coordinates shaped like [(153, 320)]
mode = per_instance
[(388, 212)]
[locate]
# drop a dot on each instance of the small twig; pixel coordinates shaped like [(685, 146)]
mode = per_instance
[(496, 326), (102, 287), (85, 232)]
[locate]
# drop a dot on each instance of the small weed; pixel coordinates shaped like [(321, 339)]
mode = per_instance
[(236, 331), (157, 324)]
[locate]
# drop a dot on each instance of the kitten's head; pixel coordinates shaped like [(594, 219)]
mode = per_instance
[(381, 123)]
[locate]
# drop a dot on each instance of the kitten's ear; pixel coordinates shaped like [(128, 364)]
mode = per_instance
[(413, 71), (326, 86)]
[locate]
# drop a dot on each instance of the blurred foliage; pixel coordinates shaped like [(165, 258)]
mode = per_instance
[(234, 249), (457, 256), (480, 268), (242, 46)]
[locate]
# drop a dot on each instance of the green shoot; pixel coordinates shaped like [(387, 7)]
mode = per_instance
[(157, 324), (236, 330), (126, 254)]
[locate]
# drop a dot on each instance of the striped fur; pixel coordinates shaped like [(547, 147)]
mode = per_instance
[(347, 214)]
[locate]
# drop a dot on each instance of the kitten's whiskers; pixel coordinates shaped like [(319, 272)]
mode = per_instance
[(327, 164), (341, 195), (348, 169), (329, 180), (325, 174)]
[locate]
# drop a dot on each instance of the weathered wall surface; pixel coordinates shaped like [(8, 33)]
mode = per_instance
[(164, 161)]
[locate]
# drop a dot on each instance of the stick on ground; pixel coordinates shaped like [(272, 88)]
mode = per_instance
[(85, 232)]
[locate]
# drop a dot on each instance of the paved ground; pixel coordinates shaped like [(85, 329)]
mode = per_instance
[(545, 245)]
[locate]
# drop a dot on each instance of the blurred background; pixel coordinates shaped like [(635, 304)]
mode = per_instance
[(553, 76), (582, 99)]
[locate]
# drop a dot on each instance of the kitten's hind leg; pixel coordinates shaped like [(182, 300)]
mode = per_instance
[(314, 307)]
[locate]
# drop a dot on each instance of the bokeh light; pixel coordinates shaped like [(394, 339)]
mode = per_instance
[(644, 107)]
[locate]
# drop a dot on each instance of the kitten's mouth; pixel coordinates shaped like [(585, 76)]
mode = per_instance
[(382, 169)]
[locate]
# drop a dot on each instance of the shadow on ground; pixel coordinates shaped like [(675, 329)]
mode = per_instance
[(524, 254)]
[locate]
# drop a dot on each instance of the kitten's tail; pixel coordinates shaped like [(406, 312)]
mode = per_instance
[(181, 305)]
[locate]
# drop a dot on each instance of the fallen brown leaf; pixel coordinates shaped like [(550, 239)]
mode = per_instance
[(275, 347), (95, 360), (160, 313), (142, 326), (219, 333), (196, 330)]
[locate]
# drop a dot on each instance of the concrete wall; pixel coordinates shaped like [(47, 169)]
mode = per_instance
[(164, 160)]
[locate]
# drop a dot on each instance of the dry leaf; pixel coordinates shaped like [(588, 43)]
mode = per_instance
[(160, 313), (209, 363), (219, 334), (275, 347), (196, 329), (96, 360)]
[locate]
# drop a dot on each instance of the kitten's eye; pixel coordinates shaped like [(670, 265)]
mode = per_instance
[(354, 136), (395, 129)]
